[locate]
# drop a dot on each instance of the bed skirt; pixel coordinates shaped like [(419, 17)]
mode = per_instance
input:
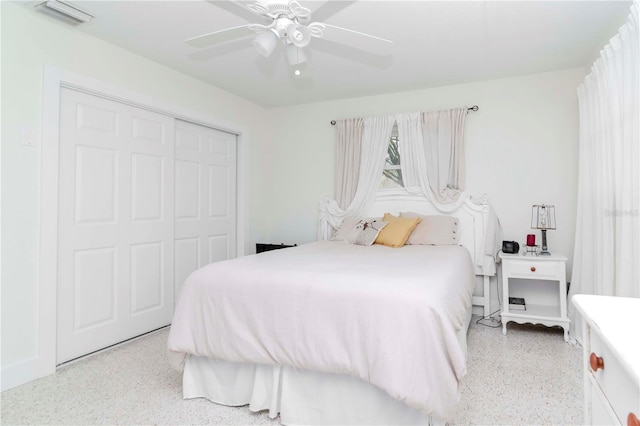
[(300, 397)]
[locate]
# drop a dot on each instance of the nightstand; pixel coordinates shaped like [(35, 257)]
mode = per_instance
[(544, 268)]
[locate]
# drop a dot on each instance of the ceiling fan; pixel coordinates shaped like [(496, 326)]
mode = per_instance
[(287, 23)]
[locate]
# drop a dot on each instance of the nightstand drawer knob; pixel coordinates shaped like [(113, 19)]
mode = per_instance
[(533, 269), (632, 420), (596, 362)]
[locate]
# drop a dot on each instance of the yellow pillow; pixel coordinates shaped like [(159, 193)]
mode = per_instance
[(397, 232)]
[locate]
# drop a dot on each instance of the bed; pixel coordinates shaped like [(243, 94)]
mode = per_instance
[(334, 333)]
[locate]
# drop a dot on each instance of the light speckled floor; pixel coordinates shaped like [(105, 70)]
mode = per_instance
[(529, 376)]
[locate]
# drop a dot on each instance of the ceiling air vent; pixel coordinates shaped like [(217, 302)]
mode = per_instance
[(65, 9)]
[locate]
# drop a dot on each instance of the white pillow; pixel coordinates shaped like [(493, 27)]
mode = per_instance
[(366, 232), (347, 226), (435, 230)]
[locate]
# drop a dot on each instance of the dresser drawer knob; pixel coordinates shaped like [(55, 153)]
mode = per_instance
[(596, 362), (533, 269), (632, 420)]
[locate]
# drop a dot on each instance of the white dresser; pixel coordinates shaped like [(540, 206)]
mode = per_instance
[(611, 342)]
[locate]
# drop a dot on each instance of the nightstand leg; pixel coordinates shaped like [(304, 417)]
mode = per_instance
[(504, 328), (566, 334)]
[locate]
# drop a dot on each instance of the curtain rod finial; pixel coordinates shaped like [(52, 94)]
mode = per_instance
[(333, 122)]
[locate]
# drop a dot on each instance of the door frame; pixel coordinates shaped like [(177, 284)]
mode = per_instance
[(44, 362)]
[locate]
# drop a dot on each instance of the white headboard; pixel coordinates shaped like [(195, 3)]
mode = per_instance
[(473, 221), (475, 229)]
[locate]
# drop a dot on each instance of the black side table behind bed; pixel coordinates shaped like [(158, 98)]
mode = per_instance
[(260, 247)]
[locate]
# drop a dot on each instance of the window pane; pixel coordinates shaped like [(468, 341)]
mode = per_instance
[(393, 156), (391, 179), (392, 175)]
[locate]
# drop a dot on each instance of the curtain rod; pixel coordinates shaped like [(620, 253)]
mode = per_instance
[(473, 108)]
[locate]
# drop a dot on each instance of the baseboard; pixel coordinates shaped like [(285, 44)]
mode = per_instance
[(24, 372)]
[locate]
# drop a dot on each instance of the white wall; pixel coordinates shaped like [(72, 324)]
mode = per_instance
[(521, 149), (29, 41)]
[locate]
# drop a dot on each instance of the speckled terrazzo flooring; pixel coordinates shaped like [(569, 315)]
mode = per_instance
[(529, 376)]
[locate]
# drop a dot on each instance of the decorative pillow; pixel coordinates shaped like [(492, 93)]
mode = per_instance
[(366, 231), (347, 226), (435, 230), (396, 233)]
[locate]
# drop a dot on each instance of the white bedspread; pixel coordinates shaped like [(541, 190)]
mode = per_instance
[(388, 316)]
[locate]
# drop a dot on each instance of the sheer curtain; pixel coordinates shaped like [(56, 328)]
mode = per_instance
[(376, 133), (607, 246), (432, 155), (443, 134), (348, 153)]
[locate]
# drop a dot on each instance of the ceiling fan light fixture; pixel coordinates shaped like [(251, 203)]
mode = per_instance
[(265, 43), (298, 35), (295, 55), (284, 21)]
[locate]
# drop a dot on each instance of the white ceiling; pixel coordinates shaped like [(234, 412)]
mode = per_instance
[(436, 43)]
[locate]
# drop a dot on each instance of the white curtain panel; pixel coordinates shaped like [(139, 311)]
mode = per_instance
[(348, 152), (412, 155), (432, 156), (375, 142), (443, 138), (607, 246)]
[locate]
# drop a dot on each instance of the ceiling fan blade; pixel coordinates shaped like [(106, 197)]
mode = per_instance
[(237, 7), (327, 34), (330, 8), (222, 35)]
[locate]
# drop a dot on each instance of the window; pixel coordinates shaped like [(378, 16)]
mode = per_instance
[(392, 174)]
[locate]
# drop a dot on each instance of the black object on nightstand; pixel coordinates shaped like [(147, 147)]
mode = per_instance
[(261, 247)]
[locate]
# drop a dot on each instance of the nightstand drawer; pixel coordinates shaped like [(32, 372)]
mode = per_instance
[(617, 385), (534, 269)]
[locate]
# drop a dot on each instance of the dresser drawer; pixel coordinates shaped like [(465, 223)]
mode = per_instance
[(601, 411), (620, 390), (535, 269)]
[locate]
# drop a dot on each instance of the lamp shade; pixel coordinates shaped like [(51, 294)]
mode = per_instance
[(298, 35), (265, 43), (543, 217)]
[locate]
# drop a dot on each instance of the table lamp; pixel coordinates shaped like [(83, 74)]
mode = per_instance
[(543, 217)]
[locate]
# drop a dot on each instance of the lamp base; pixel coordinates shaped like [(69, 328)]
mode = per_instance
[(544, 251)]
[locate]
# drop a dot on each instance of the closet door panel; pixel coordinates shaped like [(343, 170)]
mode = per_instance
[(115, 249), (205, 198)]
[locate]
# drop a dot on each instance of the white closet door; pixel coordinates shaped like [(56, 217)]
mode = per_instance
[(205, 198), (115, 223)]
